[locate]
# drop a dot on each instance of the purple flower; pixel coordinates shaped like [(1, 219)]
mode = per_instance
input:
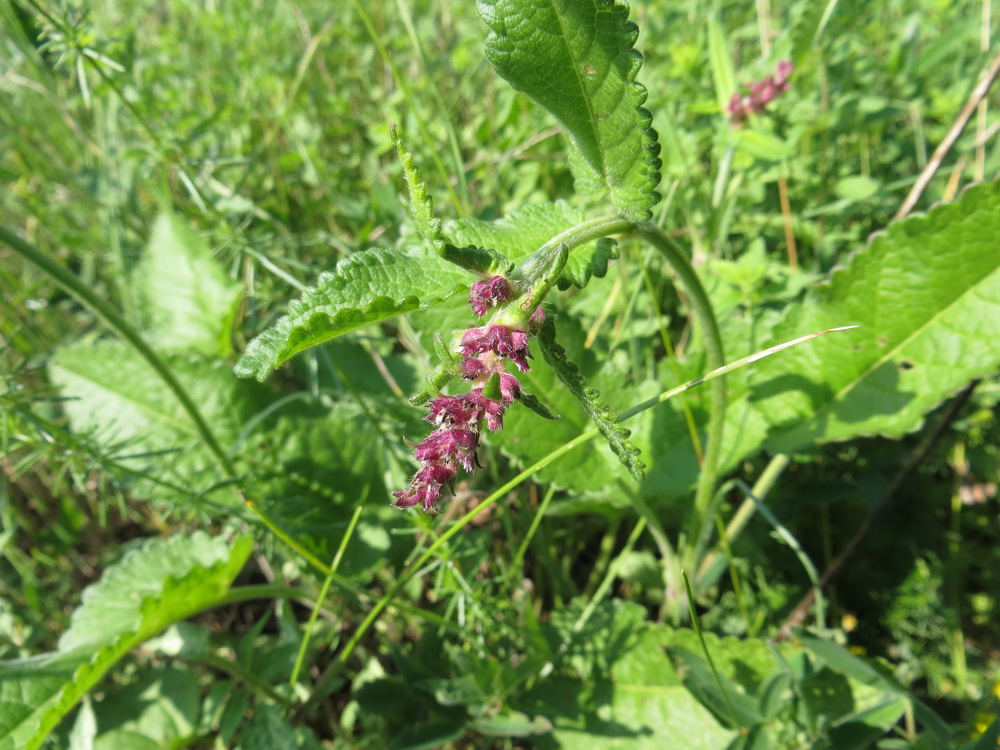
[(510, 387), (485, 294), (758, 94), (426, 487), (492, 411), (451, 410), (459, 420), (536, 320), (448, 445)]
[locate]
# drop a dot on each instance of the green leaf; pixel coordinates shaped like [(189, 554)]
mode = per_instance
[(478, 260), (622, 690), (115, 395), (721, 61), (525, 229), (729, 706), (36, 693), (27, 687), (365, 288), (604, 418), (576, 59), (268, 730), (987, 740), (510, 724), (926, 294), (187, 300), (764, 146), (112, 606)]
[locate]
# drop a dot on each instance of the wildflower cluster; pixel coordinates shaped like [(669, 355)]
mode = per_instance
[(458, 420), (757, 95)]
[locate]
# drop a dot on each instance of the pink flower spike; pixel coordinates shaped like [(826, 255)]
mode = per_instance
[(435, 474), (491, 410), (485, 294), (405, 498), (448, 447), (784, 71), (450, 410), (475, 341)]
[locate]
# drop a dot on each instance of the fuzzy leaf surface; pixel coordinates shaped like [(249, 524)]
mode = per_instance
[(32, 702), (926, 295), (187, 298), (525, 229), (576, 59), (365, 288), (113, 605)]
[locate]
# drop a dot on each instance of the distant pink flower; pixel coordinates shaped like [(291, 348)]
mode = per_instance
[(758, 94)]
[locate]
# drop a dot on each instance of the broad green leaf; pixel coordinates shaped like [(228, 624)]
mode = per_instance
[(525, 229), (268, 730), (926, 295), (111, 606), (33, 701), (311, 460), (27, 686), (187, 299), (114, 395), (731, 706), (622, 690), (576, 59), (365, 288)]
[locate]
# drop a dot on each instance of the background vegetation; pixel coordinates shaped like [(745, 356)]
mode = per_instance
[(197, 164)]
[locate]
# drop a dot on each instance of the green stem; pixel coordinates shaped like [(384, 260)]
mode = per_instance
[(322, 597), (696, 624), (667, 559), (707, 572), (106, 312), (515, 565), (587, 231), (701, 309), (341, 582)]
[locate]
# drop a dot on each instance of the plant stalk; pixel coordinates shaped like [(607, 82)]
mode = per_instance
[(701, 309)]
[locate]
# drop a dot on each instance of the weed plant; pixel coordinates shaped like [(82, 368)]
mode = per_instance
[(707, 464)]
